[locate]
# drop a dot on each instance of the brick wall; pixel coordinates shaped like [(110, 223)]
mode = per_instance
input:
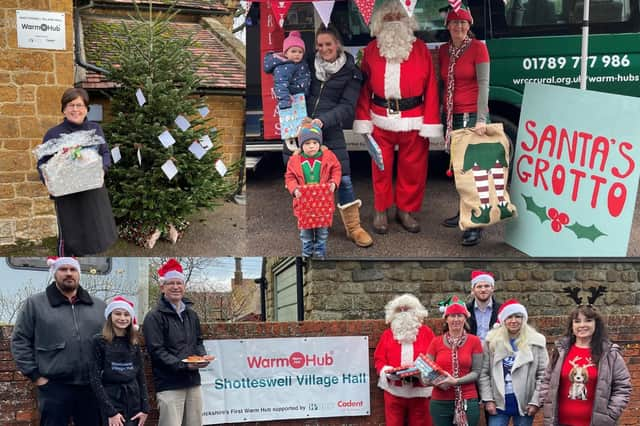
[(18, 407), (360, 289), (31, 84)]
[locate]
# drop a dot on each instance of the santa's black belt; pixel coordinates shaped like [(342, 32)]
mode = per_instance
[(396, 105)]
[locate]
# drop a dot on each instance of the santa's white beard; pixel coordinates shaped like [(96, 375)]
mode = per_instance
[(395, 41), (405, 327)]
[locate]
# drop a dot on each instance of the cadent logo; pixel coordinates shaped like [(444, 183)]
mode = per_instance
[(295, 360)]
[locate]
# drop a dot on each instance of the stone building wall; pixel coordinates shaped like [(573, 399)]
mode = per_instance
[(360, 289), (31, 83)]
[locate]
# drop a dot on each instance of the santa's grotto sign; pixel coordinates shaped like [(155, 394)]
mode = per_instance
[(575, 172), (286, 378)]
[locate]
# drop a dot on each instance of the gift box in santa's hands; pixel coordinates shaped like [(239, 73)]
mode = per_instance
[(430, 372), (75, 165), (399, 373), (315, 206)]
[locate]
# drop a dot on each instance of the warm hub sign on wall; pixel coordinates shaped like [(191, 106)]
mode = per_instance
[(575, 172), (287, 378)]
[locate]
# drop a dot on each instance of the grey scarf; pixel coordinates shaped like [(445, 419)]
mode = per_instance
[(325, 69)]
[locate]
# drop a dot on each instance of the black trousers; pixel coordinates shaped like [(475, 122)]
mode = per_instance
[(59, 402)]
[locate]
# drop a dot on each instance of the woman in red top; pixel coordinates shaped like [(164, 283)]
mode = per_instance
[(464, 70), (454, 400), (587, 382)]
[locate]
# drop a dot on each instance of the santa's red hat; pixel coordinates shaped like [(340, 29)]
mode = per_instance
[(454, 306), (120, 302), (170, 270), (55, 263), (482, 276), (508, 308)]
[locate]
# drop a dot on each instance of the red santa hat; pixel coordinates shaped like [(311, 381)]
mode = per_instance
[(404, 302), (293, 40), (55, 263), (463, 14), (454, 306), (508, 308), (170, 270), (120, 302), (482, 276)]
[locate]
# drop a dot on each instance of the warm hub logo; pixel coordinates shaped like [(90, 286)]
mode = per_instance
[(295, 360)]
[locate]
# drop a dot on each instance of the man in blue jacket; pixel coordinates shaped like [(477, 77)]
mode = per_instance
[(51, 345), (172, 333)]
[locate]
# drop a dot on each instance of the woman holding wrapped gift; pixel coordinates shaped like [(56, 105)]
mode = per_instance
[(454, 400), (85, 220), (464, 70), (515, 358), (335, 84), (587, 382)]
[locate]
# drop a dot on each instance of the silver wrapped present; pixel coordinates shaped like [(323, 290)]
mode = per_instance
[(76, 165)]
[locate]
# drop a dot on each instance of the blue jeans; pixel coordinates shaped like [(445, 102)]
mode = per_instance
[(345, 191), (503, 420), (314, 241)]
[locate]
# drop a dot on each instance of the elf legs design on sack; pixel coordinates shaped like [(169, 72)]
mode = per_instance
[(480, 165)]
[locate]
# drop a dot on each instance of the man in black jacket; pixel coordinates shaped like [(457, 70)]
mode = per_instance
[(171, 334), (52, 345), (483, 307)]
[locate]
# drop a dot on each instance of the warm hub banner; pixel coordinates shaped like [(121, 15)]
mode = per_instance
[(286, 378)]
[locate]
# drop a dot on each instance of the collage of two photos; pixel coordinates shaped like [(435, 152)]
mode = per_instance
[(371, 212)]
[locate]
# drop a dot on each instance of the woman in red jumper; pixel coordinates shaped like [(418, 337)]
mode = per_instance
[(464, 69), (454, 400), (587, 382)]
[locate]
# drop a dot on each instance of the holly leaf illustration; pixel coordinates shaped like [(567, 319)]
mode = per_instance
[(588, 232), (539, 211)]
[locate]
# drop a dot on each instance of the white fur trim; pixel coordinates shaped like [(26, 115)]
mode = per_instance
[(407, 390), (353, 203), (392, 81), (55, 263), (396, 123), (406, 353), (431, 130), (172, 275), (511, 309), (119, 304), (483, 277), (362, 127)]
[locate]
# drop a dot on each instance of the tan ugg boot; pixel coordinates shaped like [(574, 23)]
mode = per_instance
[(350, 214)]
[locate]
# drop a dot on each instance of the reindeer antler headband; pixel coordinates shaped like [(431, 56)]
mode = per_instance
[(596, 292)]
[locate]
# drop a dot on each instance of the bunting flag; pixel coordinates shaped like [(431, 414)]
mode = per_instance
[(455, 4), (409, 5), (280, 9), (324, 9), (366, 9)]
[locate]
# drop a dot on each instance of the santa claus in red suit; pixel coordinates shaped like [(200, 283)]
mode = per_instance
[(406, 402), (398, 106)]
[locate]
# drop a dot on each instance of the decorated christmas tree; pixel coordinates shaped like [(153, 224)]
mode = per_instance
[(156, 95)]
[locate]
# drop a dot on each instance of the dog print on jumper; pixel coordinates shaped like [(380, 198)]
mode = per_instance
[(578, 380)]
